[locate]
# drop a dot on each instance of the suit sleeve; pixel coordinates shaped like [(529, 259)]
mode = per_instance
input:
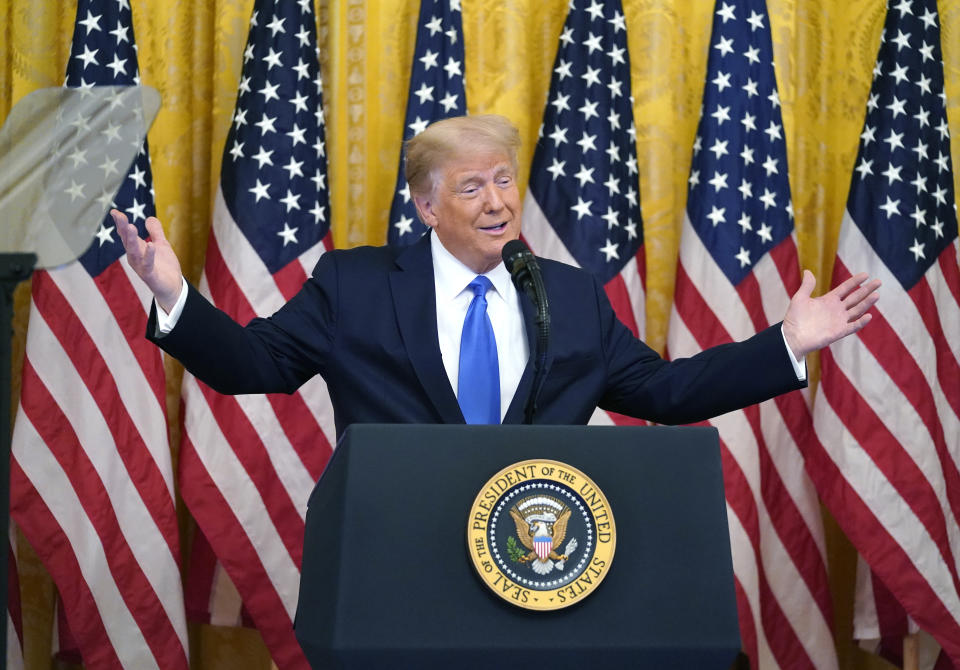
[(276, 354), (718, 380)]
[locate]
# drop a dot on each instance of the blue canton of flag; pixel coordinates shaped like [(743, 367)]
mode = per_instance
[(274, 174), (901, 195), (739, 199), (584, 175), (104, 54), (436, 92)]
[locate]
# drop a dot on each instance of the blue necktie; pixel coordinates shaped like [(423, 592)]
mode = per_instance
[(478, 384)]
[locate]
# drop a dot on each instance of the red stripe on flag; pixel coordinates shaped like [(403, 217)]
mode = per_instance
[(135, 589), (250, 450), (886, 452), (240, 559), (302, 430), (223, 289), (616, 290), (749, 292), (748, 632), (785, 644), (290, 278), (948, 369), (53, 547), (119, 295), (702, 323), (92, 369), (785, 259), (881, 551)]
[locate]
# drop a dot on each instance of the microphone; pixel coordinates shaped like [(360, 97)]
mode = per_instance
[(525, 272)]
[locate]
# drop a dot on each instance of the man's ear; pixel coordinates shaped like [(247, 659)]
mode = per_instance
[(424, 205)]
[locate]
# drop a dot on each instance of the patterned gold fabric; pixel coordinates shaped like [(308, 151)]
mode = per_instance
[(192, 51)]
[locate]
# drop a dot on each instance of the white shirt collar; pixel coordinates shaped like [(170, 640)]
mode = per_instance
[(452, 276)]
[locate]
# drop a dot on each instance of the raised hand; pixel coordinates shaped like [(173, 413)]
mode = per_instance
[(154, 261), (813, 323)]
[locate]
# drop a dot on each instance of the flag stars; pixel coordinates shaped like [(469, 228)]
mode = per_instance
[(752, 55), (755, 20), (721, 81), (891, 207), (721, 114), (773, 131), (74, 191), (724, 46), (272, 59), (745, 188), (559, 136), (750, 87), (269, 91), (276, 26), (593, 42), (926, 51), (892, 173), (749, 122), (774, 98), (589, 110), (563, 69), (237, 150), (618, 22), (582, 208), (449, 101), (556, 169), (612, 184), (929, 19), (743, 257), (865, 168), (899, 73), (452, 68), (901, 40), (917, 250), (585, 175), (719, 148), (263, 157), (770, 165), (919, 216), (425, 93), (105, 234), (294, 168), (744, 223), (610, 250), (91, 23), (611, 218), (429, 59), (897, 107), (404, 225), (434, 25), (726, 12), (765, 233), (561, 102), (616, 56), (694, 178), (747, 155), (419, 125), (288, 234), (895, 140), (717, 215), (591, 76), (292, 201), (297, 135), (769, 199), (718, 181), (88, 57), (587, 142)]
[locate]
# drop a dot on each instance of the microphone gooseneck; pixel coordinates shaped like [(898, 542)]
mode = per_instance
[(525, 272)]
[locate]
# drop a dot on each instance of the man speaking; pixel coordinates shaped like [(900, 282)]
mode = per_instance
[(438, 333)]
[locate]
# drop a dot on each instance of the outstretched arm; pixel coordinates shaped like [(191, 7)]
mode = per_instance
[(154, 261), (813, 323)]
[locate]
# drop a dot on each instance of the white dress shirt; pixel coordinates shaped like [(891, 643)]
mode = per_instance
[(451, 279)]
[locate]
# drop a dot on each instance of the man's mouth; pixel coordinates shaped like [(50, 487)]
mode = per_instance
[(495, 228)]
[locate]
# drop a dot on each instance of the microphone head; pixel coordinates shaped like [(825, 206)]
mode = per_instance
[(516, 255)]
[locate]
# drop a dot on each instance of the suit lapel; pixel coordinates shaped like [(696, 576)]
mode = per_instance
[(515, 413), (415, 304)]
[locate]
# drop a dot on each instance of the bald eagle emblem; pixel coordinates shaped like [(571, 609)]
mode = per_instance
[(541, 523)]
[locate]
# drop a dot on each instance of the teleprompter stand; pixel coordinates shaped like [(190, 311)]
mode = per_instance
[(387, 581)]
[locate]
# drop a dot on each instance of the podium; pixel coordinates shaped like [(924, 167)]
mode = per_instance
[(387, 581)]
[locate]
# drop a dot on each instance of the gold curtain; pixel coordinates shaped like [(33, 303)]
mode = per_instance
[(192, 52)]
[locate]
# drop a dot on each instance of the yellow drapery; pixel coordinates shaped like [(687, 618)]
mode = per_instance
[(192, 52)]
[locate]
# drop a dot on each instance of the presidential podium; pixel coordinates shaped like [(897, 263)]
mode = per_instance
[(387, 581)]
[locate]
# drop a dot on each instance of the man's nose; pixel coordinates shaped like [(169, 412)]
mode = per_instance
[(493, 200)]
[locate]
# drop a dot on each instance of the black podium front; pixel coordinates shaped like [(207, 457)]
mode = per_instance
[(387, 581)]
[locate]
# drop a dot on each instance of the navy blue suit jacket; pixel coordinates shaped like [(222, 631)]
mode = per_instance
[(366, 321)]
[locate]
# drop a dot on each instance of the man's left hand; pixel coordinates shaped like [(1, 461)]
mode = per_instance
[(813, 323)]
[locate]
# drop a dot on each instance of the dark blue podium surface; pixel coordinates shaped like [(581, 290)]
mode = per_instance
[(387, 581)]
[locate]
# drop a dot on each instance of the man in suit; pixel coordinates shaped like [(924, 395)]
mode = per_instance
[(384, 326)]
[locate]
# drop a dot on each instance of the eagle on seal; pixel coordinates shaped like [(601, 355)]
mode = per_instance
[(541, 524)]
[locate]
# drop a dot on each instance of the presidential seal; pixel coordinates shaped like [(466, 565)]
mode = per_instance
[(541, 535)]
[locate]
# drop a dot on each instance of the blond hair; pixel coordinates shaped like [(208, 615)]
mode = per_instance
[(427, 153)]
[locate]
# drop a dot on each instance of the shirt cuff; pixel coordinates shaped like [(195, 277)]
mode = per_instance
[(799, 367), (166, 322)]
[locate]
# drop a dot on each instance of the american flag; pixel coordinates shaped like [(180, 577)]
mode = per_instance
[(249, 463), (583, 202), (14, 643), (91, 477), (887, 412), (436, 92), (738, 268)]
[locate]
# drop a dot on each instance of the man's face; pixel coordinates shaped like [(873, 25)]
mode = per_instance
[(474, 208)]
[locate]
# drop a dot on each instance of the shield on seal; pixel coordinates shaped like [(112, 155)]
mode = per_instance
[(542, 545)]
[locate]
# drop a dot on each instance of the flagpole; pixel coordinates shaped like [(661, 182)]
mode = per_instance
[(14, 268), (911, 652)]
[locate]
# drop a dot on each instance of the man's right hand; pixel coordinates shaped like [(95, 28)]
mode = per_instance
[(154, 261)]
